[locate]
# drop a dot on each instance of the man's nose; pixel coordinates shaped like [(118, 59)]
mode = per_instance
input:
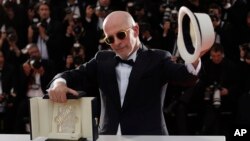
[(117, 41)]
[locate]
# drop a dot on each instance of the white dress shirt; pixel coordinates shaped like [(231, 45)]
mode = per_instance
[(42, 46), (122, 74)]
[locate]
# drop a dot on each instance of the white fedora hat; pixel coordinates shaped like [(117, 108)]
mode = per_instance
[(195, 34)]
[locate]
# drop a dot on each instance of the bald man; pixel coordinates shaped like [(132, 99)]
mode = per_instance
[(131, 80)]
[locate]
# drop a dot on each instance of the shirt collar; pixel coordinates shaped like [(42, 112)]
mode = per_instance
[(132, 56)]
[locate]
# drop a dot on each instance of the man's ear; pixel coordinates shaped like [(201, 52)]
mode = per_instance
[(136, 30)]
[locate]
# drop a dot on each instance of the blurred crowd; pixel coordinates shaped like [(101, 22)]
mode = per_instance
[(41, 38)]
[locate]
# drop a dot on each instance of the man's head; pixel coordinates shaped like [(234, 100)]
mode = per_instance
[(215, 14), (217, 53), (245, 52), (43, 10), (121, 33), (33, 51), (104, 2)]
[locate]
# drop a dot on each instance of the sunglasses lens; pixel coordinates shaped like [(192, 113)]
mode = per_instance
[(110, 40), (121, 35)]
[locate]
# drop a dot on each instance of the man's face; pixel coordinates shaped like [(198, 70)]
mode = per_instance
[(10, 12), (104, 2), (216, 57), (166, 25), (123, 47), (34, 52), (44, 11)]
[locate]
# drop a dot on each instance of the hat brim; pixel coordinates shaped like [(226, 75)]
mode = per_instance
[(195, 34)]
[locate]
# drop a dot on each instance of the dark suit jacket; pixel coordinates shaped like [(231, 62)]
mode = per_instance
[(56, 50), (142, 110)]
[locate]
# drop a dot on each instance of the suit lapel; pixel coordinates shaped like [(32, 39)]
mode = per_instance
[(140, 65), (110, 66)]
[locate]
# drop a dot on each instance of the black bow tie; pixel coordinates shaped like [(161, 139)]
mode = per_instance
[(129, 62)]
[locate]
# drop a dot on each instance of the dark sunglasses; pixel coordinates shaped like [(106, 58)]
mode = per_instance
[(121, 35)]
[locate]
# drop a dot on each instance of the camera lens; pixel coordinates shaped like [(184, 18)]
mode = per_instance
[(12, 37), (35, 63), (68, 10)]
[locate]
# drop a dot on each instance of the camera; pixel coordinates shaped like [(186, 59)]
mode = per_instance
[(212, 93), (78, 55), (102, 11), (78, 28), (102, 8), (36, 23), (43, 23), (11, 35), (76, 48), (35, 63), (68, 10)]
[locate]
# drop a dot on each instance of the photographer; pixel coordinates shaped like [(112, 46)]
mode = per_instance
[(220, 92), (243, 115), (36, 74), (92, 36), (75, 28), (63, 9), (147, 36), (8, 94), (8, 44), (244, 67), (47, 34), (75, 33), (225, 33), (76, 58), (167, 36)]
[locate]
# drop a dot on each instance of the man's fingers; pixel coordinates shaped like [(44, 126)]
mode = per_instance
[(51, 95), (63, 98), (59, 94), (73, 92)]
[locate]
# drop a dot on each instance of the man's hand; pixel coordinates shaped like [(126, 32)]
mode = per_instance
[(26, 68), (42, 33), (59, 91), (196, 62), (224, 91)]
